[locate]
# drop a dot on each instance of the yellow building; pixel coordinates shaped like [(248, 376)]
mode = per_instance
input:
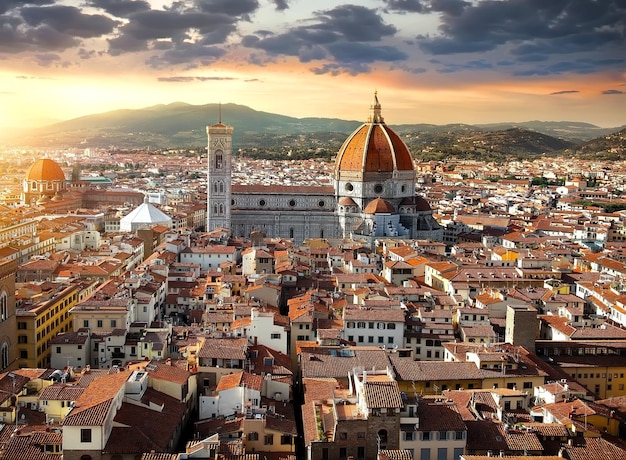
[(44, 311), (598, 365), (270, 433), (8, 324)]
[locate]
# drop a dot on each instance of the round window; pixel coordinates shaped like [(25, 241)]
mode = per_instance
[(378, 188), (232, 202), (321, 203), (261, 202), (349, 187), (292, 203)]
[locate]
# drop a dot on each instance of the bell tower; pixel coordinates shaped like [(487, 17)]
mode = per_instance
[(219, 157)]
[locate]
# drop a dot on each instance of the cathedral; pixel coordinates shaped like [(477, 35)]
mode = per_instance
[(373, 197)]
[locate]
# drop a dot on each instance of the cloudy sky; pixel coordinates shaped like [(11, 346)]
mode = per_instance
[(431, 61)]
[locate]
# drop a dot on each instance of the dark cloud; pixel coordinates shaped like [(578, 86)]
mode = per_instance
[(410, 6), (344, 35), (281, 5), (579, 66), (190, 29), (364, 53), (613, 91), (68, 20), (449, 7), (239, 8), (86, 54), (16, 37), (120, 8), (185, 79), (182, 32), (8, 5), (566, 91), (52, 28), (532, 27), (410, 69), (470, 65), (188, 55), (48, 59), (355, 23)]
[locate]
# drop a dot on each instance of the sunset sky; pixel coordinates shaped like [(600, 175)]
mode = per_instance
[(431, 61)]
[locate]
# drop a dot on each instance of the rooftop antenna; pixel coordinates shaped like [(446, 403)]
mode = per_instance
[(220, 112)]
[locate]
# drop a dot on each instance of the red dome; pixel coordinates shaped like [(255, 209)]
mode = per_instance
[(417, 202), (379, 206), (45, 170), (374, 147), (346, 201)]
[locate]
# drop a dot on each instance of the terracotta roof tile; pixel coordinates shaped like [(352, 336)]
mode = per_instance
[(31, 445), (382, 394), (92, 407)]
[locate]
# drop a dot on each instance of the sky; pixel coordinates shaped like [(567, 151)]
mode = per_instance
[(430, 61)]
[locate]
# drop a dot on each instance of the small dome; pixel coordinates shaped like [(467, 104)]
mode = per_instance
[(374, 147), (379, 206), (346, 201), (43, 199), (45, 170), (419, 203)]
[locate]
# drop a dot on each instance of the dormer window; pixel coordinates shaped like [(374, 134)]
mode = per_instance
[(268, 361)]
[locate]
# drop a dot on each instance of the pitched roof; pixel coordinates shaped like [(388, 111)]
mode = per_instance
[(382, 394), (31, 445), (409, 370), (321, 363), (93, 406), (230, 348)]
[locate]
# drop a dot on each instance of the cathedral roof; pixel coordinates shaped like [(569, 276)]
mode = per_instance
[(379, 205), (45, 169), (374, 147)]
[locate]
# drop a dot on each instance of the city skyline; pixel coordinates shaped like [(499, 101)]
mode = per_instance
[(432, 61)]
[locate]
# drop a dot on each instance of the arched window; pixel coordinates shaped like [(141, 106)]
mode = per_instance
[(221, 209), (219, 159), (382, 439), (215, 187), (214, 209), (4, 299), (221, 187), (4, 358), (291, 232)]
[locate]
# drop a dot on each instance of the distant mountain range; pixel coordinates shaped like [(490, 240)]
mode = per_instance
[(184, 125)]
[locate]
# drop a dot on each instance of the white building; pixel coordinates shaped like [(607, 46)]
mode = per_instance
[(374, 326), (234, 394)]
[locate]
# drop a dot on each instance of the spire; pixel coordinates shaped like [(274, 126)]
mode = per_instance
[(220, 112), (375, 116)]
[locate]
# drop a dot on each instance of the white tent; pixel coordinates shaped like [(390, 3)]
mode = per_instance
[(145, 215)]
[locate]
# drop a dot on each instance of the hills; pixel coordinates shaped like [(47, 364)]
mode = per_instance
[(184, 125)]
